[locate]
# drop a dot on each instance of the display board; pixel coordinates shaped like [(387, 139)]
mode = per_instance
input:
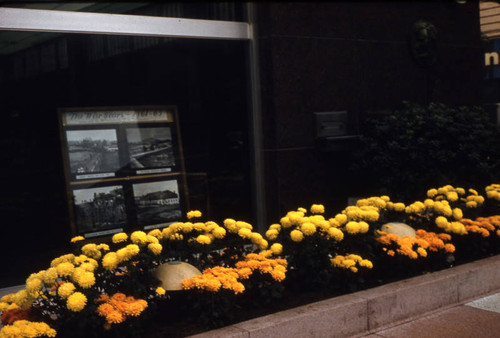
[(124, 168)]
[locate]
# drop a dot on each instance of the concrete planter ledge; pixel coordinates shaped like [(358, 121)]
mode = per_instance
[(362, 312)]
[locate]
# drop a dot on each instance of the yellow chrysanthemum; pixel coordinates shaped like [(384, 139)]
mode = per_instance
[(139, 238), (262, 244), (441, 222), (458, 214), (77, 239), (76, 302), (296, 235), (33, 285), (133, 249), (3, 306), (366, 263), (65, 269), (431, 193), (272, 234), (256, 238), (336, 234), (308, 228), (203, 239), (245, 233), (65, 290), (119, 237), (285, 222), (159, 290), (91, 250), (341, 219), (155, 233), (110, 261), (86, 279), (317, 209), (194, 214), (363, 227), (451, 196), (471, 204), (155, 248), (277, 248), (399, 207), (219, 232), (352, 227)]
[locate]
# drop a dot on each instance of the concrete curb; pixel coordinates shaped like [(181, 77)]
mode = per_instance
[(368, 310)]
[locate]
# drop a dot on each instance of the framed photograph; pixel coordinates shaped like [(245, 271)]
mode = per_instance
[(98, 209), (150, 147), (124, 168), (92, 151), (157, 202)]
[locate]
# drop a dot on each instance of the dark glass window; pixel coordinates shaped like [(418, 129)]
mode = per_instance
[(43, 72)]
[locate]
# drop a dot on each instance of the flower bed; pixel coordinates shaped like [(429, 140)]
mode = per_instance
[(110, 288)]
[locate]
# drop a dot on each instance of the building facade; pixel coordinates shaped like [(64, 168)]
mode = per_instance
[(252, 85)]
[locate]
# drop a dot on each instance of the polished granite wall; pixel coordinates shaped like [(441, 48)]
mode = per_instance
[(317, 57)]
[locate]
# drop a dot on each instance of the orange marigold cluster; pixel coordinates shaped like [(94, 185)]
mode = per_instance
[(213, 279), (483, 225), (275, 267), (414, 247), (117, 308)]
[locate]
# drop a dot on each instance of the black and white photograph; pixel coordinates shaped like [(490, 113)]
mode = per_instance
[(157, 202), (150, 147), (99, 208), (92, 151)]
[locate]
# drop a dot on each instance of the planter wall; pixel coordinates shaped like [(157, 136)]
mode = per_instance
[(367, 310)]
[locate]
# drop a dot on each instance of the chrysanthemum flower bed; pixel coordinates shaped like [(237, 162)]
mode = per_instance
[(110, 288)]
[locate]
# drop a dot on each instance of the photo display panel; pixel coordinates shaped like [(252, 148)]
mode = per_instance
[(124, 168)]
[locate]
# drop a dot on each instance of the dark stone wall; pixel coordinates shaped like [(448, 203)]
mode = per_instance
[(352, 56)]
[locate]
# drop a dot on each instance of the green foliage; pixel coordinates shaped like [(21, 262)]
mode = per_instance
[(423, 146)]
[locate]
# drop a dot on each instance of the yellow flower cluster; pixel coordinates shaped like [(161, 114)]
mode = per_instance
[(244, 230), (77, 239), (117, 308), (298, 225), (451, 227), (93, 250), (66, 268), (111, 260), (415, 247), (367, 213), (8, 302), (493, 192), (202, 233), (350, 261), (376, 201), (194, 214), (353, 227), (25, 328), (471, 198)]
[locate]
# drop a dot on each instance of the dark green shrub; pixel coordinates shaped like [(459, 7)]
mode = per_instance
[(407, 151)]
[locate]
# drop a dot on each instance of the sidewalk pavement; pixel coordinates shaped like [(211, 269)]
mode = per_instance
[(479, 318)]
